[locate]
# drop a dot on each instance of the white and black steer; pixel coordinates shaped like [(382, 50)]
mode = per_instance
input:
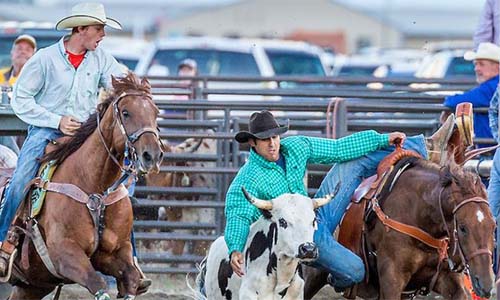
[(277, 243)]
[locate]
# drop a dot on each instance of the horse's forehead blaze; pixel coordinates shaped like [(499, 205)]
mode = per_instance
[(480, 216)]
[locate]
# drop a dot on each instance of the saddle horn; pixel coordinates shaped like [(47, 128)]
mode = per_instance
[(262, 204)]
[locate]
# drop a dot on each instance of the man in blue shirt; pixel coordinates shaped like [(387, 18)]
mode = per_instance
[(486, 65)]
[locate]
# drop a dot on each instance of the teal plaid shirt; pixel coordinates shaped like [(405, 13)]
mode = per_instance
[(266, 180)]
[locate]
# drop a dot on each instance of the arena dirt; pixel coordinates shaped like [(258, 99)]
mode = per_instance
[(174, 287)]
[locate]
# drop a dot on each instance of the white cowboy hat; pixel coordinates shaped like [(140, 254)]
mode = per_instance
[(84, 14), (484, 51)]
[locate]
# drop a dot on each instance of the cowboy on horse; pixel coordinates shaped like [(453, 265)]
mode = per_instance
[(278, 166), (56, 91)]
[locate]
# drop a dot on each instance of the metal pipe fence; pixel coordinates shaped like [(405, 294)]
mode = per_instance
[(215, 119)]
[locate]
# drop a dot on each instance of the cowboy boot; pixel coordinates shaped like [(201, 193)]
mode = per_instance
[(438, 142)]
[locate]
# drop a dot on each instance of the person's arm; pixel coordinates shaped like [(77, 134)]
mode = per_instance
[(493, 115), (240, 214), (484, 31), (30, 82), (478, 96), (327, 151)]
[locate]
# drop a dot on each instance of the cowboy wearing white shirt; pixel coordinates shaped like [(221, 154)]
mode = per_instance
[(56, 91)]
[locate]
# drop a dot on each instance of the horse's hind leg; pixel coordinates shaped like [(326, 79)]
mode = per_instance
[(119, 264), (28, 293), (72, 263)]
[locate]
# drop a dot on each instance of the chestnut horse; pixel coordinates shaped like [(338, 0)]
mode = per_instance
[(445, 202), (92, 161)]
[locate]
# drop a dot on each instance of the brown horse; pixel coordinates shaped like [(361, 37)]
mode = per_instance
[(92, 160), (445, 202)]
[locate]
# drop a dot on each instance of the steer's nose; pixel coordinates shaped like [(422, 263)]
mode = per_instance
[(308, 251)]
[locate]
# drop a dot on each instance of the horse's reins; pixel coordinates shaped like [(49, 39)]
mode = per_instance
[(130, 153), (456, 243)]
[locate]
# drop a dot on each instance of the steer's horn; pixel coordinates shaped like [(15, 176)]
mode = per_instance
[(262, 204), (317, 202)]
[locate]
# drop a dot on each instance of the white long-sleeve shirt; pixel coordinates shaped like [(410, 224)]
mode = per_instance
[(49, 87), (488, 29)]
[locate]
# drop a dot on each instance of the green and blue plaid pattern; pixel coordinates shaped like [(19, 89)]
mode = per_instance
[(266, 180)]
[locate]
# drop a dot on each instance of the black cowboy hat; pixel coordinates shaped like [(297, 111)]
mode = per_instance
[(262, 125)]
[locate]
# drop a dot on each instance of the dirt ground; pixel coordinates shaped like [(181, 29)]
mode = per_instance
[(172, 287)]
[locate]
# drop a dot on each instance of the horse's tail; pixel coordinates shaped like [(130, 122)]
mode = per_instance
[(198, 292)]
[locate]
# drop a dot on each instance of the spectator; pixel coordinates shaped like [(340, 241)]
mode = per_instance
[(187, 67), (23, 49), (486, 65), (488, 29)]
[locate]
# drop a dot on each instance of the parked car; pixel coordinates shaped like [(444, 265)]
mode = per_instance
[(126, 50), (214, 56), (293, 58), (444, 64)]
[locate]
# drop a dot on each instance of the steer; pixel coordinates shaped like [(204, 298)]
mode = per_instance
[(277, 243)]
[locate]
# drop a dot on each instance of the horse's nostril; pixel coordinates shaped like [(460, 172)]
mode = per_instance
[(147, 156)]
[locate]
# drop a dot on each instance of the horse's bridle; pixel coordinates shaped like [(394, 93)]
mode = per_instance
[(456, 243), (130, 153)]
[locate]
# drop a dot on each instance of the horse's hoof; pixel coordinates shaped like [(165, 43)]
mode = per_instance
[(102, 295)]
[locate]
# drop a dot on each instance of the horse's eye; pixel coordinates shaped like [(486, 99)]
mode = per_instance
[(283, 223), (125, 114), (463, 229)]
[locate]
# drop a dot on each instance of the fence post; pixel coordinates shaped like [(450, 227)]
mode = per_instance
[(5, 95), (341, 119), (198, 94)]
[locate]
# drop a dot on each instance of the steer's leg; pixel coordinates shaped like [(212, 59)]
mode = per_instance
[(294, 291)]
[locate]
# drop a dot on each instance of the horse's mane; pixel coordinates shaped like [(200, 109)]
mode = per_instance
[(120, 85), (468, 182)]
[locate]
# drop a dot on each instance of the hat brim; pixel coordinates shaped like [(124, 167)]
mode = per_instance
[(471, 55), (244, 136), (83, 20)]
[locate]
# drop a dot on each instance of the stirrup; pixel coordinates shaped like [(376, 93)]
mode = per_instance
[(10, 262)]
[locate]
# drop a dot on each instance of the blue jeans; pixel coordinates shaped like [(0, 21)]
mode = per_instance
[(27, 168), (346, 267), (494, 186), (494, 199)]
